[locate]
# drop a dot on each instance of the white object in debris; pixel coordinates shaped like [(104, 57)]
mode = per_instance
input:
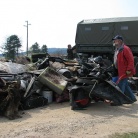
[(23, 85), (48, 95), (29, 86), (13, 68)]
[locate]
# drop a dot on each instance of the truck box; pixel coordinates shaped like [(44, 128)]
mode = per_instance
[(95, 36)]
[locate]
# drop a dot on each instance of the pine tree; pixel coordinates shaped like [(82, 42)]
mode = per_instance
[(35, 48), (44, 49), (11, 47)]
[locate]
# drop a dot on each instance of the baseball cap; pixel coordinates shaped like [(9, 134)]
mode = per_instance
[(118, 37)]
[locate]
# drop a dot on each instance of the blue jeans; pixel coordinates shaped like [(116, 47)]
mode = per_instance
[(124, 86)]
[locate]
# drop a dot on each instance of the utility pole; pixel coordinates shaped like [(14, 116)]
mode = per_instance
[(27, 36)]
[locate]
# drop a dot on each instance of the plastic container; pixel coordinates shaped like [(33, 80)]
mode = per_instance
[(114, 79), (53, 80), (48, 95)]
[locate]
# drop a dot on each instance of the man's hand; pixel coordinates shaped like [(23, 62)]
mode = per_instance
[(128, 72)]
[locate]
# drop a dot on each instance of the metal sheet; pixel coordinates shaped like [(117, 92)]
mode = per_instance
[(13, 68)]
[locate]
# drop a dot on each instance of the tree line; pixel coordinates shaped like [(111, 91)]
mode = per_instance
[(12, 47)]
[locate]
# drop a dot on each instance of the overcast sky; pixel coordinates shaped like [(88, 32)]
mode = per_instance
[(54, 22)]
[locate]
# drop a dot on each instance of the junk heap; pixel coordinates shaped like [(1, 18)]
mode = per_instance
[(30, 85)]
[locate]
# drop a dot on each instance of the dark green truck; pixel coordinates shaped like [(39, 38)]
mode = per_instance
[(94, 37)]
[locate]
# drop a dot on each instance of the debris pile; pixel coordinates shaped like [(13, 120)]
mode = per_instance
[(30, 85)]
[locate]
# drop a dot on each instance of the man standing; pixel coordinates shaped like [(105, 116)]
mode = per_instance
[(124, 63), (70, 52)]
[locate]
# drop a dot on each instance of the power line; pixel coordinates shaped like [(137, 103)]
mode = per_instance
[(27, 36)]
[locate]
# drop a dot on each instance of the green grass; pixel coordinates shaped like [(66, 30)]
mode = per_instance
[(125, 135)]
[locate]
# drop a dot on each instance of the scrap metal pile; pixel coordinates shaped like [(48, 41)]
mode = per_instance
[(22, 86)]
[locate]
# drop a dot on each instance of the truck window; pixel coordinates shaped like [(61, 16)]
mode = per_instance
[(124, 27), (87, 28), (105, 28)]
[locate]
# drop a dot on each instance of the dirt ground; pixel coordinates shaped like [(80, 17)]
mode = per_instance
[(57, 120)]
